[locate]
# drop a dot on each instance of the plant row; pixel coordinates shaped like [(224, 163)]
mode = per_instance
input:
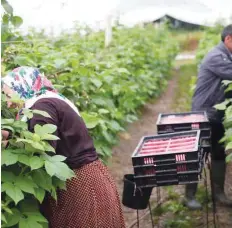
[(108, 85)]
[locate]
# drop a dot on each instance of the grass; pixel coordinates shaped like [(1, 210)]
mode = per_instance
[(188, 40), (183, 96)]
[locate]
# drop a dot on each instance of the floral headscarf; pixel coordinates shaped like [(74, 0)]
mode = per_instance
[(31, 85), (28, 82)]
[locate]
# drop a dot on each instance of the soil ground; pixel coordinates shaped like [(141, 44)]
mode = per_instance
[(175, 98)]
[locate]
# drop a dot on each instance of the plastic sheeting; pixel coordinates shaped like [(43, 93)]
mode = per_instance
[(58, 15)]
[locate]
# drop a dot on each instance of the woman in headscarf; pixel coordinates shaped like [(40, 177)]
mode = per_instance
[(91, 199)]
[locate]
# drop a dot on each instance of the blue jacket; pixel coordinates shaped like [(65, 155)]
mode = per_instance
[(215, 67)]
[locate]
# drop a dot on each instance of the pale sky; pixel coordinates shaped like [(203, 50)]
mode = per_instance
[(62, 13)]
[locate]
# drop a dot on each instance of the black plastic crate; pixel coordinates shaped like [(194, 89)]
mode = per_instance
[(165, 128), (171, 168), (169, 179), (166, 157)]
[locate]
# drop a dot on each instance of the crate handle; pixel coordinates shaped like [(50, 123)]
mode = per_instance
[(135, 188)]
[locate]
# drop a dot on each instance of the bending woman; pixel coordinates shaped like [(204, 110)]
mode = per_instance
[(91, 199)]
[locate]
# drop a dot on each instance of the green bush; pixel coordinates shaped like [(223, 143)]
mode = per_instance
[(29, 170)]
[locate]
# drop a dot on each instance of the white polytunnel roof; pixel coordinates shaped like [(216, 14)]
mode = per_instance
[(152, 14), (194, 5), (61, 14)]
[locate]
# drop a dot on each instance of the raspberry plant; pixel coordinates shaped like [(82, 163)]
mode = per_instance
[(30, 169)]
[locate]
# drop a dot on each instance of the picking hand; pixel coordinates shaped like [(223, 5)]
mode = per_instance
[(5, 135)]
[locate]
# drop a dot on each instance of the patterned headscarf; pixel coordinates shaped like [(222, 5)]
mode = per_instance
[(28, 82), (31, 85)]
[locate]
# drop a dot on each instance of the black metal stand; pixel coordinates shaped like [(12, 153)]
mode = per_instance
[(158, 199), (207, 198), (138, 218), (213, 198), (152, 222)]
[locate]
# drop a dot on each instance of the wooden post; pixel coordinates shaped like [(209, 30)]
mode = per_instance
[(108, 30)]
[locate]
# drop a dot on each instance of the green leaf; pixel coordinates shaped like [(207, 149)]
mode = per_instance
[(38, 129), (222, 106), (5, 20), (3, 218), (227, 82), (38, 217), (24, 159), (60, 63), (45, 129), (29, 223), (42, 113), (25, 184), (57, 158), (96, 82), (229, 146), (7, 121), (90, 120), (29, 205), (27, 134), (17, 21), (14, 192), (123, 70), (63, 171), (50, 168), (107, 136), (13, 219), (59, 169), (115, 125), (49, 137), (103, 111), (20, 125), (6, 208), (7, 176), (7, 7), (24, 61), (29, 115), (36, 162), (9, 158), (229, 158), (42, 179), (37, 145), (40, 194), (59, 183), (48, 147), (54, 193)]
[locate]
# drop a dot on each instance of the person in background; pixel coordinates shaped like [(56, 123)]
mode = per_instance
[(91, 199), (209, 91)]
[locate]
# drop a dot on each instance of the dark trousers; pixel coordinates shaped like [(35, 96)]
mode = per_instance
[(218, 149)]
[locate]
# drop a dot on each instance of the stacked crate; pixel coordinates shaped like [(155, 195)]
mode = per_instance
[(176, 155), (177, 122)]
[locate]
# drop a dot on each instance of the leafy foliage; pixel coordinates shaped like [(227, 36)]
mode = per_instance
[(227, 107), (211, 38), (107, 85), (9, 25), (29, 170)]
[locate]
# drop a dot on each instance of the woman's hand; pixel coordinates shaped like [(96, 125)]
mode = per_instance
[(5, 135)]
